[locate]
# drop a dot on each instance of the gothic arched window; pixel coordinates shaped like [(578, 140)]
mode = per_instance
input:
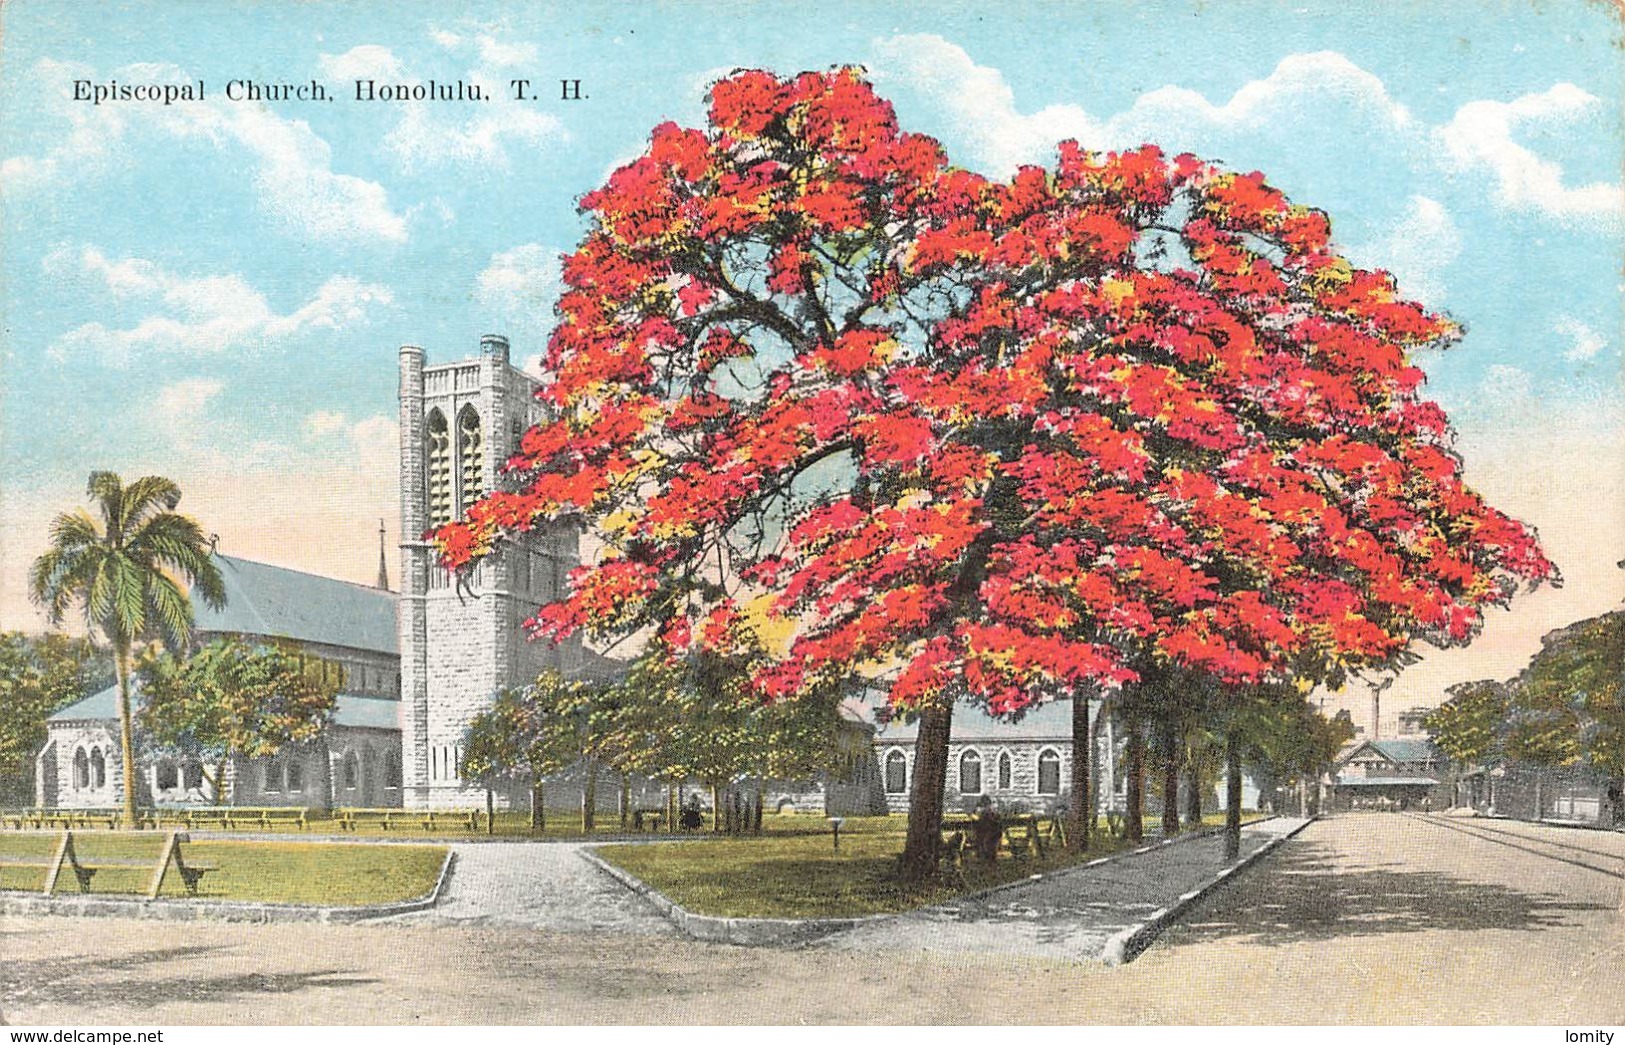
[(81, 769), (1004, 770), (896, 773), (392, 769), (1049, 772), (970, 773), (352, 772), (470, 456), (437, 461), (168, 776), (98, 769)]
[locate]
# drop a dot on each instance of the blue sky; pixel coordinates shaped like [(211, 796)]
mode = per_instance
[(216, 291)]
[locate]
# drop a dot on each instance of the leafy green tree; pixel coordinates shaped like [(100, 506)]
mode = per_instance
[(1470, 727), (231, 698), (1576, 683), (125, 570), (542, 730), (39, 675)]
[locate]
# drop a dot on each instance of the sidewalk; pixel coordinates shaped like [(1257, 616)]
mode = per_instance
[(1069, 915)]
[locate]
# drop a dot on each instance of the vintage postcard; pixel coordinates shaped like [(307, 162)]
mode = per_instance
[(723, 512)]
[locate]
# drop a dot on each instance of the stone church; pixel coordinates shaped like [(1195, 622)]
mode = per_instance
[(418, 664)]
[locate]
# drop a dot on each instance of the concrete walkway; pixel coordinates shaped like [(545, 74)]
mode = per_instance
[(539, 886), (1069, 914)]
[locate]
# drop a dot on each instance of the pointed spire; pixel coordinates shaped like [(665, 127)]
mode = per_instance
[(383, 566)]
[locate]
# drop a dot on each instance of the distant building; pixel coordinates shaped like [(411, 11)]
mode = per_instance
[(1387, 774), (417, 666), (356, 761)]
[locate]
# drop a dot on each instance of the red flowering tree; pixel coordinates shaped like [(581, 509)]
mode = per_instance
[(1000, 440)]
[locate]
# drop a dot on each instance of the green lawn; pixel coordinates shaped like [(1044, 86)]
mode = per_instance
[(515, 824), (324, 873), (793, 870)]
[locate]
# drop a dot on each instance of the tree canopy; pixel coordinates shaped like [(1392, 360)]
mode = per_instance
[(1012, 438), (998, 432), (233, 698), (39, 675)]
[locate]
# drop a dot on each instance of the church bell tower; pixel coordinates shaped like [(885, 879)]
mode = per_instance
[(462, 639)]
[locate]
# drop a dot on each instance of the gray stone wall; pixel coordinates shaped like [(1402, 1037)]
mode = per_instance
[(463, 640)]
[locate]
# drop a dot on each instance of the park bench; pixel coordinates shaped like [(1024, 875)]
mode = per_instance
[(351, 819), (267, 816), (1021, 839), (468, 819), (84, 870), (648, 819), (428, 819)]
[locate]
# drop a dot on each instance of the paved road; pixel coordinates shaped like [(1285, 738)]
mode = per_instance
[(538, 886), (1069, 915), (1360, 919)]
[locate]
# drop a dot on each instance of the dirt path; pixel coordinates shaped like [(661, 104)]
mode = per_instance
[(1360, 919)]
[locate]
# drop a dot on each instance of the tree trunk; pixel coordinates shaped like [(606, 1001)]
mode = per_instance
[(1232, 798), (625, 800), (756, 817), (1193, 797), (218, 798), (1134, 815), (1170, 778), (538, 812), (589, 797), (490, 812), (1077, 838), (121, 655), (716, 808), (925, 796)]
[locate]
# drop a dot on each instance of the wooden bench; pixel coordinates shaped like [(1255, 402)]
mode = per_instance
[(468, 819), (428, 819), (84, 870), (648, 819), (267, 816)]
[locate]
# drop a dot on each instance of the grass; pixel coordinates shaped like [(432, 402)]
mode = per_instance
[(792, 869), (509, 824), (323, 873)]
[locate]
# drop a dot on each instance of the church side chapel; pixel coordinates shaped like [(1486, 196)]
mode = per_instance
[(419, 663)]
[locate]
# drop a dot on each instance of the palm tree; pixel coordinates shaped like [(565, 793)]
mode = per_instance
[(123, 570)]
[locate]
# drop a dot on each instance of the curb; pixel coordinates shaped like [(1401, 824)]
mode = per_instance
[(1061, 872), (782, 932), (112, 906), (1126, 945), (745, 932)]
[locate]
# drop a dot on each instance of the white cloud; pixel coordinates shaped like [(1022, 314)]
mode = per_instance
[(368, 61), (374, 438), (984, 104), (501, 54), (1303, 92), (184, 401), (429, 135), (203, 315), (1586, 341), (1418, 250), (519, 282), (293, 166), (1480, 136)]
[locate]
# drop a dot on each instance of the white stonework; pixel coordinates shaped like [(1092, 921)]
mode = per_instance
[(464, 642)]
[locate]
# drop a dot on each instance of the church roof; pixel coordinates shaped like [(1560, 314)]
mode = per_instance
[(276, 602), (1411, 750), (367, 712), (1051, 720), (350, 709)]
